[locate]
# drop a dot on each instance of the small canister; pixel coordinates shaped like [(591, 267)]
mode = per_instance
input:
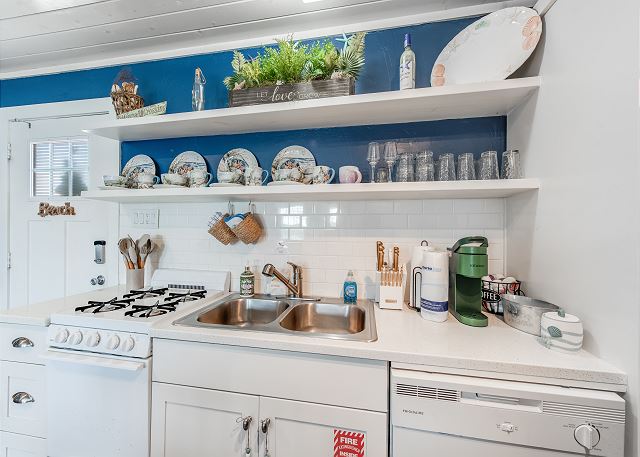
[(247, 282), (561, 332)]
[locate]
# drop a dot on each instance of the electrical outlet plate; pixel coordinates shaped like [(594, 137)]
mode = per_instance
[(145, 218)]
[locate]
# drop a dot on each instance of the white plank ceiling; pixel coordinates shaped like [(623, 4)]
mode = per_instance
[(42, 36)]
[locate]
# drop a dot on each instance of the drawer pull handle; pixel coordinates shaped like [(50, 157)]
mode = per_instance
[(22, 398), (22, 342)]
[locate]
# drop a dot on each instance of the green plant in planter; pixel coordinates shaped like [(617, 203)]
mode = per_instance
[(293, 62)]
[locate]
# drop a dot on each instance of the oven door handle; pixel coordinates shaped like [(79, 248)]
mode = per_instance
[(101, 362)]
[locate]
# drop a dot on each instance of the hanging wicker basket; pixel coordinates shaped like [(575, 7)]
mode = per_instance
[(222, 232), (249, 230)]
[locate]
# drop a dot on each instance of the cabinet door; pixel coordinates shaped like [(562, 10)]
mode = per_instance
[(312, 430), (192, 422), (13, 445)]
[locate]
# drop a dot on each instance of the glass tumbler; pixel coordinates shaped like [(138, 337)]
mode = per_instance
[(425, 168), (489, 165), (511, 165), (404, 172), (466, 167), (446, 168)]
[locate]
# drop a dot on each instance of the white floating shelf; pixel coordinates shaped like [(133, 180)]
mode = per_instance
[(365, 191), (425, 104)]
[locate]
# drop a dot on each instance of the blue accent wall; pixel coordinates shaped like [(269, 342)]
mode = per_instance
[(171, 80)]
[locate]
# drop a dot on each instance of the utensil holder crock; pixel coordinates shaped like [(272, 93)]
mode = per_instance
[(135, 279)]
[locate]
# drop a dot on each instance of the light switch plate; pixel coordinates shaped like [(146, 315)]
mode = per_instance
[(145, 218)]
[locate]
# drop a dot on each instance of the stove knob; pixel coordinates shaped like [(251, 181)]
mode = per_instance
[(587, 436), (92, 339), (113, 342), (62, 336), (75, 338), (128, 344)]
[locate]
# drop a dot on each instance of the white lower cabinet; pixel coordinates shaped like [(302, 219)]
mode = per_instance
[(194, 422), (307, 429), (22, 398), (14, 445)]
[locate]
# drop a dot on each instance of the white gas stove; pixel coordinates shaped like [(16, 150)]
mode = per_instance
[(117, 321), (99, 363)]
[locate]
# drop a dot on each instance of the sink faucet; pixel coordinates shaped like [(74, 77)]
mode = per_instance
[(296, 287)]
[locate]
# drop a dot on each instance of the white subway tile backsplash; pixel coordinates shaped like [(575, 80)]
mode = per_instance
[(326, 238)]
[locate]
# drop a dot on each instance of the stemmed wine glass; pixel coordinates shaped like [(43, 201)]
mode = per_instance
[(390, 155), (373, 157)]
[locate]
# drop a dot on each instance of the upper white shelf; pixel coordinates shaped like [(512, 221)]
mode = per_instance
[(425, 104), (364, 191)]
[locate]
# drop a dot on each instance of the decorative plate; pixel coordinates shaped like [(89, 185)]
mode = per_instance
[(138, 164), (237, 159), (186, 162), (293, 157), (490, 49)]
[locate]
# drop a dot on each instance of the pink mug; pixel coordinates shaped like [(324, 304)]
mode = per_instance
[(349, 175)]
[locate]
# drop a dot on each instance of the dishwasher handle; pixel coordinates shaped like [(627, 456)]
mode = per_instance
[(94, 361)]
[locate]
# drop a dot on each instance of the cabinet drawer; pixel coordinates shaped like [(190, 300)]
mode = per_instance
[(22, 343), (331, 380), (14, 445), (22, 398)]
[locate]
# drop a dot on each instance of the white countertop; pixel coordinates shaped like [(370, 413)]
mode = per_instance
[(404, 339), (408, 341), (40, 313)]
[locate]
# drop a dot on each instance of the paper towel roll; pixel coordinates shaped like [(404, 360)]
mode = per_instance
[(434, 290), (417, 261)]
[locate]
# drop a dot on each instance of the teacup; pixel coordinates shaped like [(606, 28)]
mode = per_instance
[(114, 181), (320, 174), (199, 178), (255, 176), (145, 180), (174, 179), (349, 174), (288, 174), (234, 176)]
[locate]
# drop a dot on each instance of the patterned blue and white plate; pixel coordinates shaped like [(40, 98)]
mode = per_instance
[(138, 164), (237, 159), (293, 157), (186, 162)]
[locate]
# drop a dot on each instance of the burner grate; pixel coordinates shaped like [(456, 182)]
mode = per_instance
[(146, 293), (190, 295), (146, 311), (114, 304)]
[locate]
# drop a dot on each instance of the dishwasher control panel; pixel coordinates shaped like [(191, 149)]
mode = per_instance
[(126, 344), (468, 410)]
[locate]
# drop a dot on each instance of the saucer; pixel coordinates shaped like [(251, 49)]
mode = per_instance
[(285, 183), (225, 184), (168, 186)]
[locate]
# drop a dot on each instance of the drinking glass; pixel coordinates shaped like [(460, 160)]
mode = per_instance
[(511, 165), (489, 165), (382, 174), (466, 167), (425, 169), (373, 157), (404, 172), (390, 156), (446, 168)]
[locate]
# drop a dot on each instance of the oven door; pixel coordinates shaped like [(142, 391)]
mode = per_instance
[(98, 406)]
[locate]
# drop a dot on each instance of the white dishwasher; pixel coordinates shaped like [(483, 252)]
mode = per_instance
[(452, 416)]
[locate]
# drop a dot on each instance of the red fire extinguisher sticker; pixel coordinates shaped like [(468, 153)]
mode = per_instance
[(347, 444)]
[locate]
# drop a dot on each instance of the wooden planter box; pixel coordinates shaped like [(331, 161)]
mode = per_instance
[(292, 92)]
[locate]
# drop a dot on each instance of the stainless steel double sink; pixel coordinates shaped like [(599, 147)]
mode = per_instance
[(327, 318)]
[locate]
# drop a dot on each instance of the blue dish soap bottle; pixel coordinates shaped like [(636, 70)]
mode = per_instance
[(350, 289)]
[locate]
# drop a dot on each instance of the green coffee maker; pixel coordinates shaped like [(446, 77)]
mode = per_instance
[(467, 265)]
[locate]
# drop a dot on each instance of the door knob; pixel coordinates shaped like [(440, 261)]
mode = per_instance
[(98, 280)]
